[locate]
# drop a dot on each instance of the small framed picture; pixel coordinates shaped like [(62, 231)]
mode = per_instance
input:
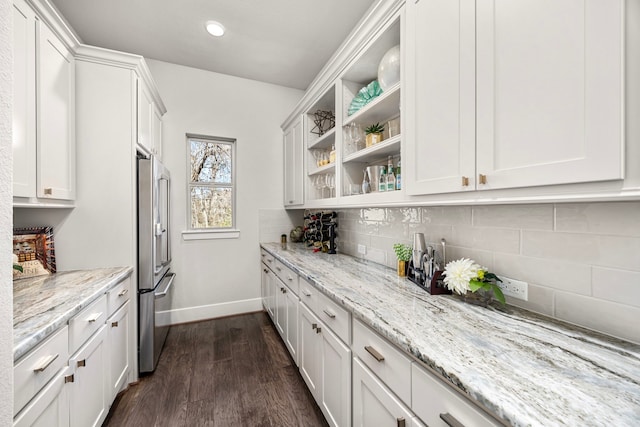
[(33, 252)]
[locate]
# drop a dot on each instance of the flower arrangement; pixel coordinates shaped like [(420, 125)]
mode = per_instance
[(16, 265), (464, 275), (403, 252)]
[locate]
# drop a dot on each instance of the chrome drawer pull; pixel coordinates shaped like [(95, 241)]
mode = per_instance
[(123, 292), (450, 420), (94, 317), (328, 313), (372, 351), (45, 364), (401, 422)]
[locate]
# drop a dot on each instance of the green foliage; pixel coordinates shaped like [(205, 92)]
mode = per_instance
[(18, 267), (377, 128), (403, 252), (476, 285)]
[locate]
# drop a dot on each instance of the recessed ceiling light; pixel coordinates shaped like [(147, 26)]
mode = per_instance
[(215, 28)]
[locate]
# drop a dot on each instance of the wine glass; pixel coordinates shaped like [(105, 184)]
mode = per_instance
[(331, 183)]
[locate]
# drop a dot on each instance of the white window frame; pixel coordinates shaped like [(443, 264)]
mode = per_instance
[(214, 232)]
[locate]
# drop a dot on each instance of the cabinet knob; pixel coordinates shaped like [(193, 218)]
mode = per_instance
[(48, 191), (114, 324), (265, 270), (68, 379), (401, 422), (82, 363), (465, 181), (482, 179), (314, 325), (318, 330)]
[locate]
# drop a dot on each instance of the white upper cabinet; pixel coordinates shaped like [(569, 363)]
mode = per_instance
[(549, 91), (145, 117), (293, 164), (508, 94), (44, 112)]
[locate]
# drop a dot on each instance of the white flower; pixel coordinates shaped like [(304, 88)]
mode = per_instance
[(459, 273), (15, 258)]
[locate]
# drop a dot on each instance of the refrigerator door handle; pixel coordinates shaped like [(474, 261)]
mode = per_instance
[(169, 279)]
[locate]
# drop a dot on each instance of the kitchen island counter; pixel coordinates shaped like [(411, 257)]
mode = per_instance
[(43, 304), (526, 369)]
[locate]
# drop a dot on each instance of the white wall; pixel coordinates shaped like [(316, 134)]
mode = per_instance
[(221, 277), (581, 260), (6, 214)]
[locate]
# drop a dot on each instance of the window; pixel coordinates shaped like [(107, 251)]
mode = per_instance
[(211, 182)]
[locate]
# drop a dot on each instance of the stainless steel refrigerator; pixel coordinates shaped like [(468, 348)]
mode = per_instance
[(155, 278)]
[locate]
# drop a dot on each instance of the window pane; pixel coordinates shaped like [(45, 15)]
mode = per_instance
[(210, 162), (211, 207)]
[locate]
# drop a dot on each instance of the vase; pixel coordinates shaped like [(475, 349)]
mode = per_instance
[(373, 139), (480, 297), (402, 268)]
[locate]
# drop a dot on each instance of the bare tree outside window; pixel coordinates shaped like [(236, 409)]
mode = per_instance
[(211, 182)]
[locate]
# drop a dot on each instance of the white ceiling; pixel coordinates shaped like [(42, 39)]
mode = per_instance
[(285, 42)]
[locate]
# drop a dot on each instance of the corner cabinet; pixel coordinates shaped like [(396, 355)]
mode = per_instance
[(513, 94), (293, 164), (149, 119), (44, 147)]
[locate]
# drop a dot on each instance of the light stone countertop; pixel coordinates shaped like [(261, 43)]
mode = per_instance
[(527, 369), (44, 304)]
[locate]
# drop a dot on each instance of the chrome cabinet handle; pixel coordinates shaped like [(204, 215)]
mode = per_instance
[(401, 422), (123, 292), (94, 317), (450, 420), (373, 352), (328, 313), (45, 363)]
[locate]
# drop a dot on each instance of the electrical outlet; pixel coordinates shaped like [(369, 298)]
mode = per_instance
[(514, 288), (362, 249)]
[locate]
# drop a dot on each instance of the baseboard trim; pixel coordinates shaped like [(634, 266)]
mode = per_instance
[(204, 312)]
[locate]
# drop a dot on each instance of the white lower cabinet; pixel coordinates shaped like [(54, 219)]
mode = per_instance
[(118, 351), (50, 407), (374, 404), (88, 396), (325, 365), (438, 405), (286, 321), (268, 292)]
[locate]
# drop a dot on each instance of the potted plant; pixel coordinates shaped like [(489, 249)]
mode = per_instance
[(374, 134), (403, 253)]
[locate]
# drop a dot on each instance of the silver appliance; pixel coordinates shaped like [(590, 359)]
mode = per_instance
[(154, 259)]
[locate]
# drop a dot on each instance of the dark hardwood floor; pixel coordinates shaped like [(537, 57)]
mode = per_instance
[(233, 371)]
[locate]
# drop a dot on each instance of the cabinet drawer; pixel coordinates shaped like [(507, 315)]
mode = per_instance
[(288, 276), (36, 368), (267, 258), (432, 398), (308, 294), (85, 323), (118, 296), (387, 362), (334, 316)]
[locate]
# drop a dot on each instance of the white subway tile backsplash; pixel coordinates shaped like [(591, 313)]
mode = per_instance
[(540, 300), (617, 285), (374, 214), (447, 215), (484, 258), (621, 219), (558, 274), (412, 215), (532, 217), (493, 239), (609, 317), (595, 249)]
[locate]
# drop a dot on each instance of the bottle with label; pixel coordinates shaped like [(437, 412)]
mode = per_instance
[(332, 154), (398, 177), (366, 184), (382, 183), (391, 178)]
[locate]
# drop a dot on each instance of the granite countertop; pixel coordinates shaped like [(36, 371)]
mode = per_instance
[(43, 304), (527, 369)]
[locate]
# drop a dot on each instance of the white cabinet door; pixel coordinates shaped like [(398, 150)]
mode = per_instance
[(56, 154), (156, 127), (293, 166), (280, 307), (88, 401), (50, 407), (24, 100), (374, 404), (145, 113), (291, 335), (550, 91), (264, 287), (118, 351), (336, 378), (440, 120), (309, 357)]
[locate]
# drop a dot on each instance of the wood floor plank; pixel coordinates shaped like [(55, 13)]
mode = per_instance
[(232, 371)]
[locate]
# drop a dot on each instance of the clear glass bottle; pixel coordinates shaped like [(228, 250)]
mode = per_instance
[(332, 154), (398, 177), (366, 185), (382, 183), (391, 178)]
